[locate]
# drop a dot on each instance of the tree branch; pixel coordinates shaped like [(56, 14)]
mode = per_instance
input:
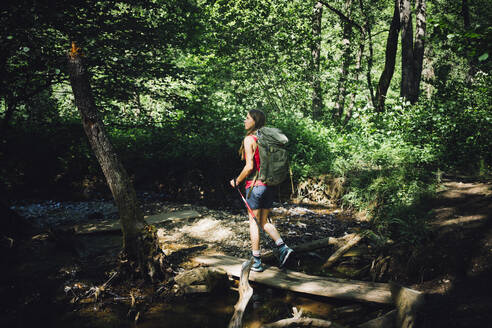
[(342, 16)]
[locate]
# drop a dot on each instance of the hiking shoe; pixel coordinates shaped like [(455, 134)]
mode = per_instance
[(257, 266), (285, 252)]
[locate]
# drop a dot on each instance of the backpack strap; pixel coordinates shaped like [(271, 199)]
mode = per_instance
[(257, 171)]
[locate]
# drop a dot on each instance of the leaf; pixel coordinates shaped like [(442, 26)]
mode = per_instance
[(483, 57), (473, 35)]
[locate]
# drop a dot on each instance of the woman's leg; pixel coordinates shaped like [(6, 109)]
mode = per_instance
[(283, 249), (254, 231), (267, 226), (262, 219)]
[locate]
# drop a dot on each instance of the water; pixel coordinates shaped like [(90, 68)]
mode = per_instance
[(201, 310), (207, 310)]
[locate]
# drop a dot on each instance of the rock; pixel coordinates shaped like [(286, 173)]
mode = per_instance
[(199, 280)]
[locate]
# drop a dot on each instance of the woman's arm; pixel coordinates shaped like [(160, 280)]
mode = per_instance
[(249, 147)]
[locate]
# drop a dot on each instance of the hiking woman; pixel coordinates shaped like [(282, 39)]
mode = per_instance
[(260, 198)]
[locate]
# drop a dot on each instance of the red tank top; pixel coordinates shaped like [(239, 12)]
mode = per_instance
[(256, 161)]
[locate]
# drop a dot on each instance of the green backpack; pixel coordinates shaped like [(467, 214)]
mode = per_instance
[(274, 159)]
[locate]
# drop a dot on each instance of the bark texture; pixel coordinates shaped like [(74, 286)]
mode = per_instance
[(390, 58), (419, 46), (357, 71), (472, 62), (245, 293), (317, 100), (367, 30), (412, 53), (137, 238), (346, 61)]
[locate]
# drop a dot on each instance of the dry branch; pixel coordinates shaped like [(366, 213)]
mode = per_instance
[(245, 293), (301, 322), (351, 242), (320, 243)]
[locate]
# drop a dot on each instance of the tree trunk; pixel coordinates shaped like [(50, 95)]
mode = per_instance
[(407, 69), (346, 59), (389, 63), (472, 62), (367, 32), (419, 46), (137, 238), (317, 100), (412, 55), (358, 69), (465, 11)]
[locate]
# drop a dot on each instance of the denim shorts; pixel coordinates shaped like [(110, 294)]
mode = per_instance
[(261, 197)]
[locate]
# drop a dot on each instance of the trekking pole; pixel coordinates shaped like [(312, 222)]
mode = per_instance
[(263, 232)]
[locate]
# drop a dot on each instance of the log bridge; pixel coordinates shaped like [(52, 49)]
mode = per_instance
[(407, 301), (304, 283)]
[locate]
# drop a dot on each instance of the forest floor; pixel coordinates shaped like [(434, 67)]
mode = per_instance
[(453, 267), (456, 262)]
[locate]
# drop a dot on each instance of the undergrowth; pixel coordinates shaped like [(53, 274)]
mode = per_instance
[(390, 163)]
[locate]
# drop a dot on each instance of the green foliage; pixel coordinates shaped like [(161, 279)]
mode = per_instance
[(385, 174), (309, 144), (388, 178), (456, 38), (174, 80), (456, 124), (127, 43)]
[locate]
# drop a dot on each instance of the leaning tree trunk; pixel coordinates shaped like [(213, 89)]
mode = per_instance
[(412, 56), (139, 240), (317, 100), (390, 58)]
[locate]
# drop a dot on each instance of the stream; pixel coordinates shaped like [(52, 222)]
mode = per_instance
[(53, 280)]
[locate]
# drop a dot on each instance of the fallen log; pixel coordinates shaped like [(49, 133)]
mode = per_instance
[(320, 243), (408, 302), (245, 293), (351, 242), (109, 225), (303, 283)]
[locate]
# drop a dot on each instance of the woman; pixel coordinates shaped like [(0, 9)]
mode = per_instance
[(260, 199)]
